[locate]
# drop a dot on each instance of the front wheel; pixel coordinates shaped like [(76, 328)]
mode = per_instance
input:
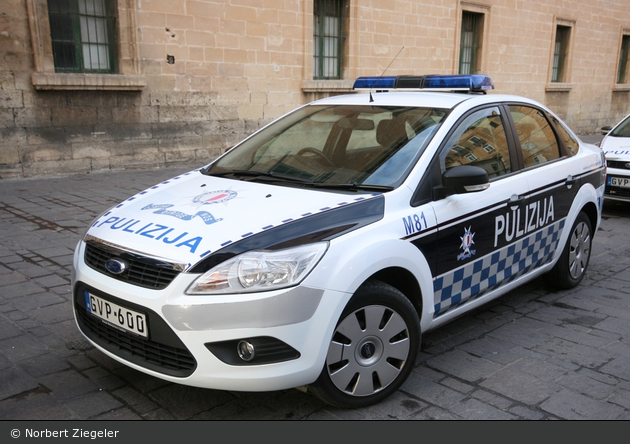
[(372, 350), (572, 265)]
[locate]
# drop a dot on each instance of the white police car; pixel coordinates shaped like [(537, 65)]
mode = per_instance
[(317, 251), (616, 147)]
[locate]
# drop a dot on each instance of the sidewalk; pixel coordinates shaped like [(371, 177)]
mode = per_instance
[(532, 354)]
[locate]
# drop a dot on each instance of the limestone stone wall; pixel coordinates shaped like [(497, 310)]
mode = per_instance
[(197, 76)]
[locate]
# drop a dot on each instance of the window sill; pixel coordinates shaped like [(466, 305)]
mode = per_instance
[(559, 87), (102, 82), (621, 87), (327, 86)]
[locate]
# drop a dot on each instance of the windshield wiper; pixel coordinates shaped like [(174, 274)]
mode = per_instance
[(268, 175), (271, 176), (353, 186), (235, 173)]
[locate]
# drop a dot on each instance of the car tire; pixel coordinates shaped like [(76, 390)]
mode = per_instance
[(372, 350), (571, 267)]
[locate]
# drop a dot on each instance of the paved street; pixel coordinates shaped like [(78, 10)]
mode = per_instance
[(533, 354)]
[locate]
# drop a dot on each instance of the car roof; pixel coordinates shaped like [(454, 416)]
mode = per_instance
[(443, 100)]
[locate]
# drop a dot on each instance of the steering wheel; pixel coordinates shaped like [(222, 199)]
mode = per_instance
[(318, 153)]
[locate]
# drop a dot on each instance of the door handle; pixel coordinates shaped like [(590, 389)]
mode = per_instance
[(570, 182), (515, 201)]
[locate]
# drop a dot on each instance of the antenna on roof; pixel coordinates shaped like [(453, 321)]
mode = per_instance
[(385, 70)]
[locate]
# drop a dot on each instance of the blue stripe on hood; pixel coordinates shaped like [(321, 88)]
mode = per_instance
[(315, 228)]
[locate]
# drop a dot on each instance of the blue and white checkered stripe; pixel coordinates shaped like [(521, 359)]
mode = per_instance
[(476, 278)]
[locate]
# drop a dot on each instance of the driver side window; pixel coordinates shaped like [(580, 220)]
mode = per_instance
[(480, 141)]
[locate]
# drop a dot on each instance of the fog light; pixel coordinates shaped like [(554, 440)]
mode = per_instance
[(245, 350), (258, 350)]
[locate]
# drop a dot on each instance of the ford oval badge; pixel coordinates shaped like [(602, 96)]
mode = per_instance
[(116, 266)]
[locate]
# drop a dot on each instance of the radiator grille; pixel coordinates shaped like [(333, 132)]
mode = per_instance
[(621, 165), (142, 271), (617, 192)]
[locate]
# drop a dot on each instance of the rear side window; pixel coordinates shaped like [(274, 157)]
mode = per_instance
[(535, 134), (569, 141)]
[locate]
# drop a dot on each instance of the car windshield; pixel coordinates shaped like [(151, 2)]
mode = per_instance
[(329, 146), (622, 130)]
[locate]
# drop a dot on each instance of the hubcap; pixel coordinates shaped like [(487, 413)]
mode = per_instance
[(579, 250), (368, 350)]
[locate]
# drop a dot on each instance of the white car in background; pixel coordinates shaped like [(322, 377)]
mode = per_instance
[(616, 147)]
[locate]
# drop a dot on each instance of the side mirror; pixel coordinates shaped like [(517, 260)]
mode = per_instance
[(465, 179), (605, 129)]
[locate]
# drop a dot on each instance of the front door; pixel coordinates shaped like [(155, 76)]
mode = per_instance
[(480, 234)]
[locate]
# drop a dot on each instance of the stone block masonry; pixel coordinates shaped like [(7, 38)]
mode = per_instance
[(76, 132), (192, 78)]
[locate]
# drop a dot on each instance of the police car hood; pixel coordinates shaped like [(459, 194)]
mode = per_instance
[(184, 219), (616, 148)]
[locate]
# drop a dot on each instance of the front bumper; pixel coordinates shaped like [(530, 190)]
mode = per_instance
[(617, 192), (193, 339)]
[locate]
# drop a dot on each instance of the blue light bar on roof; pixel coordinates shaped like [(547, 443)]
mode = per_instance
[(375, 82), (474, 82), (456, 82)]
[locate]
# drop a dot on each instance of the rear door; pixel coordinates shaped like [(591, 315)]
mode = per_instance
[(546, 152)]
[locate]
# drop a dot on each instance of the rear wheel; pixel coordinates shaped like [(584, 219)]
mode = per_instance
[(571, 267), (372, 350)]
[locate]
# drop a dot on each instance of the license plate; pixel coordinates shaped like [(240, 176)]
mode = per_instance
[(623, 182), (115, 315)]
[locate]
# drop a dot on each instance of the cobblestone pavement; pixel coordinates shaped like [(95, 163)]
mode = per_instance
[(533, 354)]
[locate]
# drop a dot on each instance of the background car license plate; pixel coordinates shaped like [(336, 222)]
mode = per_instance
[(121, 317), (623, 182)]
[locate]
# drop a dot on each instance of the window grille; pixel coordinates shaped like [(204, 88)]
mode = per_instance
[(82, 33), (560, 53), (327, 39), (470, 42), (622, 76)]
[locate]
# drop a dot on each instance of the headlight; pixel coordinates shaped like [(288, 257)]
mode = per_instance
[(260, 271)]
